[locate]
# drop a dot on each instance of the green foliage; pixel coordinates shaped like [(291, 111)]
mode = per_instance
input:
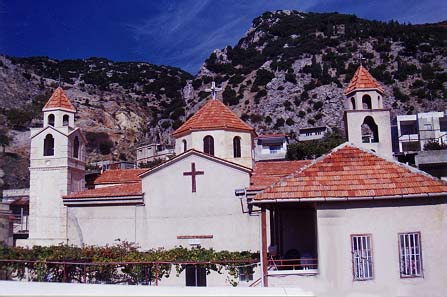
[(151, 164), (318, 105), (229, 96), (434, 145), (314, 148), (290, 77), (279, 123), (290, 122), (263, 77), (106, 263), (399, 95)]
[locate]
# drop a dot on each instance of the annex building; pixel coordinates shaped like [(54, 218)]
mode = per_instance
[(351, 222)]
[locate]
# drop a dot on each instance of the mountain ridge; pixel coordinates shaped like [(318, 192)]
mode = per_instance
[(287, 72)]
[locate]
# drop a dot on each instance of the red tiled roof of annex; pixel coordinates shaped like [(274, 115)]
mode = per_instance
[(351, 172), (59, 100), (213, 115), (266, 173), (362, 79), (125, 190), (120, 176)]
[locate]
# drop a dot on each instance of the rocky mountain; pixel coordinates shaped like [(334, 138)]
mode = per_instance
[(290, 69), (288, 72)]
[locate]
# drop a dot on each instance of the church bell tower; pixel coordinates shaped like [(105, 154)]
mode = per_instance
[(367, 122), (57, 168)]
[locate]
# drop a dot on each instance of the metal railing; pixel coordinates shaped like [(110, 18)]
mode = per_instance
[(293, 264), (131, 273)]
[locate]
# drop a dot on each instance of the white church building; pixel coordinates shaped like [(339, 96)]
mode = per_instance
[(351, 222)]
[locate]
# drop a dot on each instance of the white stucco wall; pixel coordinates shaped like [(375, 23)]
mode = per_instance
[(354, 120), (384, 222), (223, 145), (51, 177), (171, 210)]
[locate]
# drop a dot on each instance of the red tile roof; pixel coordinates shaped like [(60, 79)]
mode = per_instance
[(349, 172), (362, 79), (120, 176), (212, 116), (268, 172), (59, 100), (132, 189)]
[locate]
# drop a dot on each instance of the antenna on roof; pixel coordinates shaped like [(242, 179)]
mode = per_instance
[(213, 90), (59, 80)]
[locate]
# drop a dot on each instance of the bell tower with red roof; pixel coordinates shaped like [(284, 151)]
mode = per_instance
[(57, 168), (367, 122)]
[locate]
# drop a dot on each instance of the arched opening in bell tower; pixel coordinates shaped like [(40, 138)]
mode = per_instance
[(366, 102), (370, 131)]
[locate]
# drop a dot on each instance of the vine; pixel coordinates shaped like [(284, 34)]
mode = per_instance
[(121, 263)]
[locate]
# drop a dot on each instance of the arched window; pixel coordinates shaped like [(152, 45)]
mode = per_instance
[(65, 120), (353, 103), (208, 145), (48, 145), (370, 132), (237, 147), (366, 102), (185, 145), (76, 147), (51, 120)]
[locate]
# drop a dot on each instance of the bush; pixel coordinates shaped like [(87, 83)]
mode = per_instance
[(314, 148), (290, 77), (318, 105), (229, 96), (46, 267), (433, 145), (399, 95), (290, 122), (263, 77)]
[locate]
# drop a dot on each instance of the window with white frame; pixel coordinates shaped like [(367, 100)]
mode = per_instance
[(362, 259), (410, 254)]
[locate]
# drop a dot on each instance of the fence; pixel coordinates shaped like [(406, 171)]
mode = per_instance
[(131, 273)]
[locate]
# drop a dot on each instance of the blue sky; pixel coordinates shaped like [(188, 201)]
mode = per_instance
[(178, 33)]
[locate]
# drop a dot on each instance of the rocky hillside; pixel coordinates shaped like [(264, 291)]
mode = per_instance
[(290, 69), (288, 72), (118, 104)]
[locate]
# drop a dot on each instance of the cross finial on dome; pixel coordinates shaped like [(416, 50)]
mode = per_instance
[(213, 90)]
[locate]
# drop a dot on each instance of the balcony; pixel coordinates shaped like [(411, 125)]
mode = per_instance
[(304, 265), (21, 224)]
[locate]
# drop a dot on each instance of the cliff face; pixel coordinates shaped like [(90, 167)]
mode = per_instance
[(290, 69), (288, 72)]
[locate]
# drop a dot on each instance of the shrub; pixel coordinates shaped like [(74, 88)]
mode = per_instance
[(229, 96), (263, 77), (290, 122), (318, 105)]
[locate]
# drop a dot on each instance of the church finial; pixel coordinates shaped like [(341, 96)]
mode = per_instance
[(213, 90)]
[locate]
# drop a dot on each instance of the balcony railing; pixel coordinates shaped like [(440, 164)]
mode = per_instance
[(20, 224), (302, 265)]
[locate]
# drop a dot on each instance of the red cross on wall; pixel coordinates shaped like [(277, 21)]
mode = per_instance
[(193, 174)]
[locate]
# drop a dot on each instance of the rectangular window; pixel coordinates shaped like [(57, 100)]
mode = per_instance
[(195, 276), (362, 260), (410, 254)]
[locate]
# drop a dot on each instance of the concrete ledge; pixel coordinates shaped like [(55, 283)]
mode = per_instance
[(12, 288)]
